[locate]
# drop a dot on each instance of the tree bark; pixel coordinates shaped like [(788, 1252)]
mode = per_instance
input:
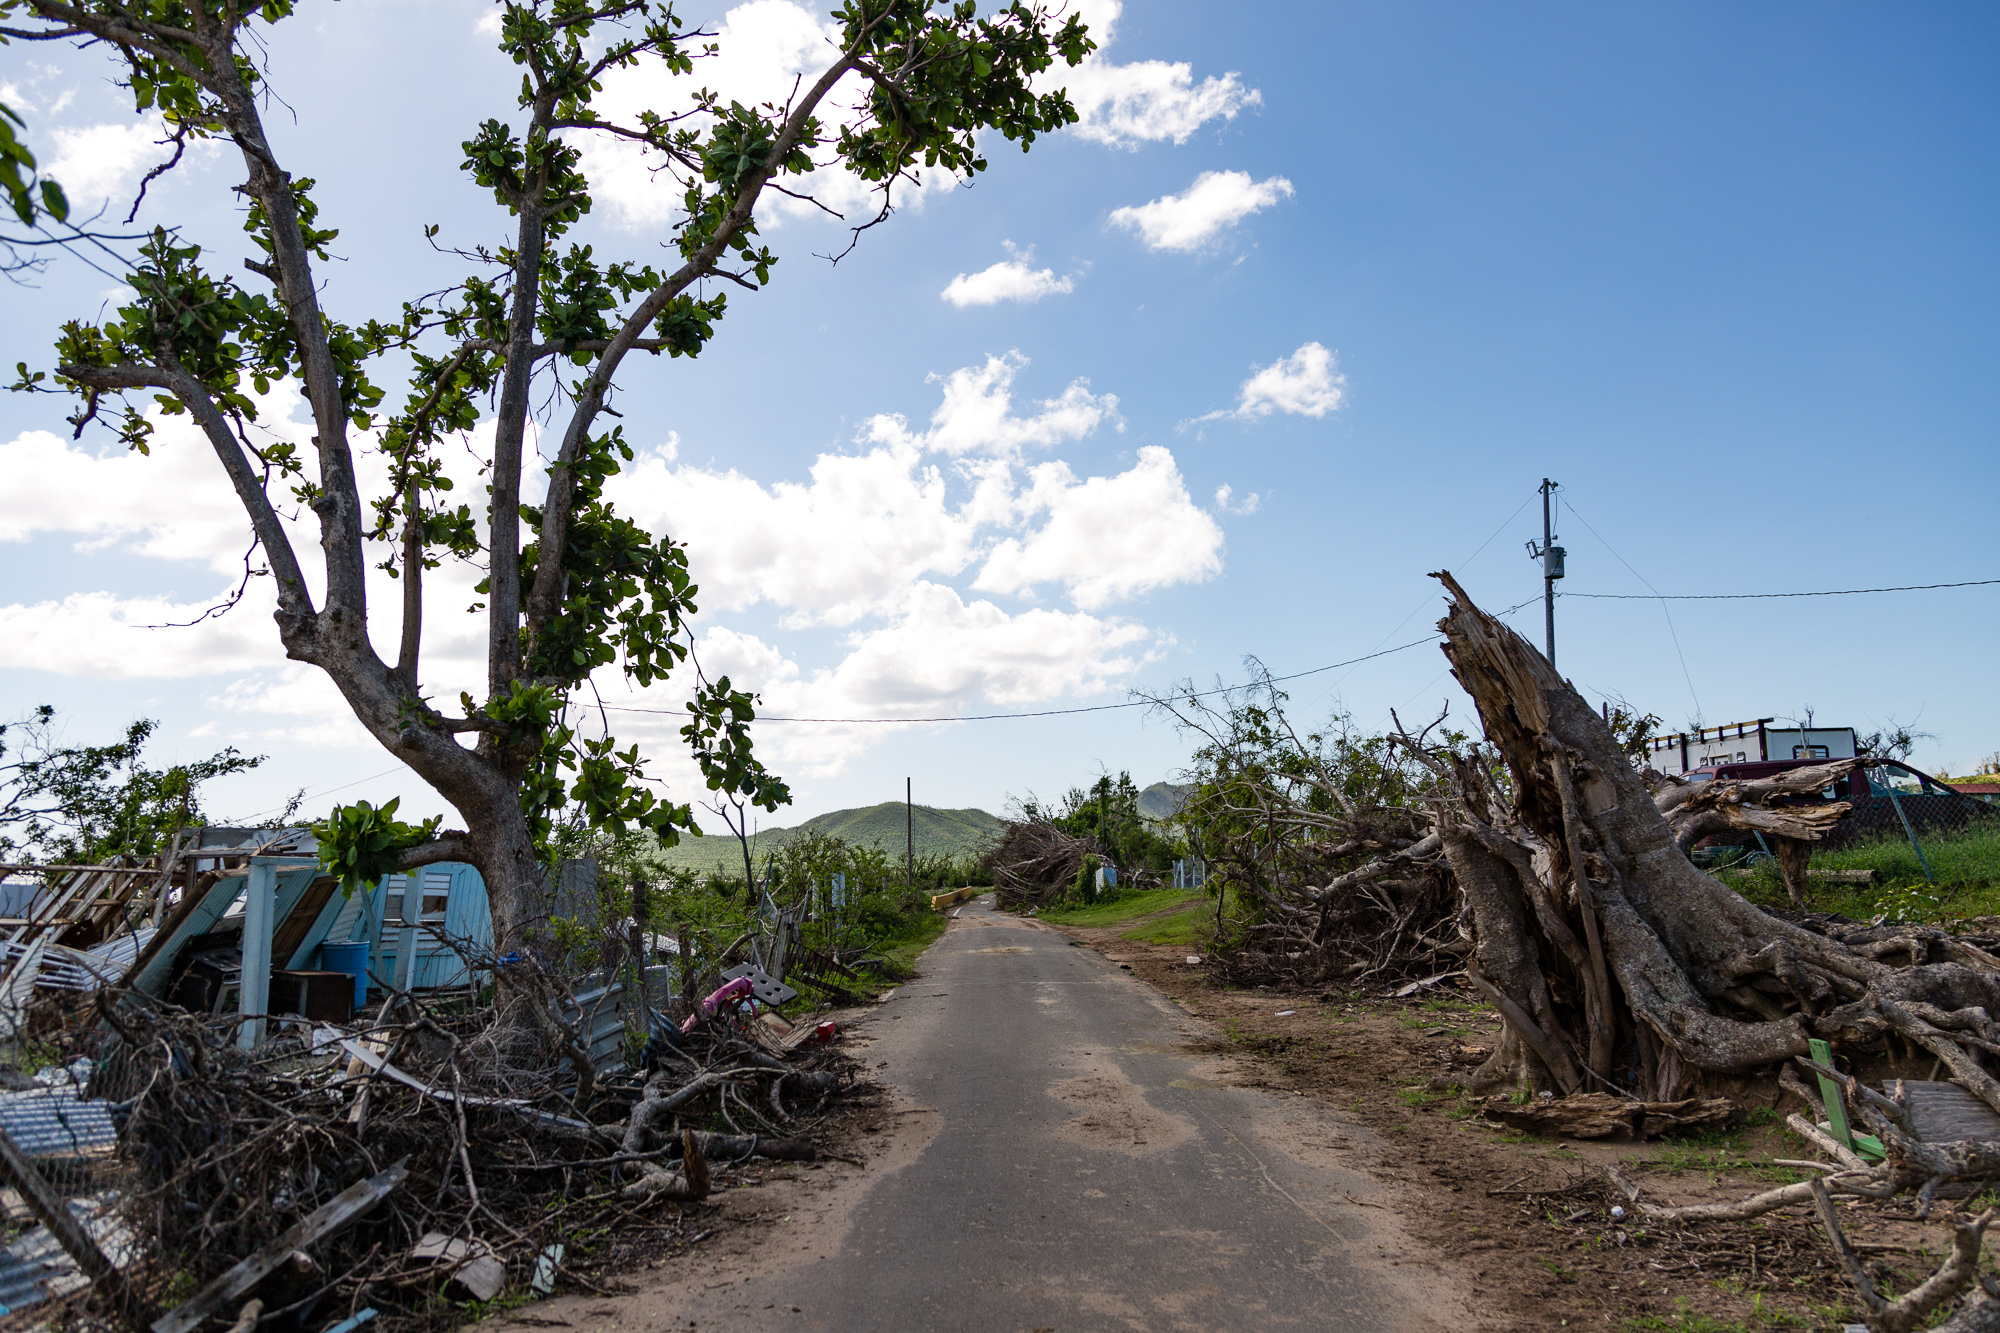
[(1699, 978)]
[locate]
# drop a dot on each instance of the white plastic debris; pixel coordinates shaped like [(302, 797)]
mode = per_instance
[(544, 1280), (1193, 958), (1286, 1013), (1617, 1213)]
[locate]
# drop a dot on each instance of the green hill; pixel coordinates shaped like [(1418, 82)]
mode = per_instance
[(1163, 800), (938, 833)]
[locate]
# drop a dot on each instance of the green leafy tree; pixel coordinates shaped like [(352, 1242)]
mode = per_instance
[(1275, 810), (571, 585), (82, 804)]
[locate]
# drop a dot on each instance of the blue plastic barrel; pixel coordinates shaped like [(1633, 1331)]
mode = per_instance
[(352, 959)]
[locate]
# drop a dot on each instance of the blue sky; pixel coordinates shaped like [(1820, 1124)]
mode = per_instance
[(1727, 274)]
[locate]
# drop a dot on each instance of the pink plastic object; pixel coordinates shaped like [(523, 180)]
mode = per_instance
[(734, 990)]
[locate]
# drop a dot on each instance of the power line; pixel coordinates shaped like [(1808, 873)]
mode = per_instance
[(1067, 712), (328, 791), (1760, 596), (1672, 633), (1051, 712)]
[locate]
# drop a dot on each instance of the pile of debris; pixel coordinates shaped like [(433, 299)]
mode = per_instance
[(341, 1169), (1035, 864), (168, 1159)]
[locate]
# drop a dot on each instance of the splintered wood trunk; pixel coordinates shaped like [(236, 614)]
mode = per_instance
[(1616, 962)]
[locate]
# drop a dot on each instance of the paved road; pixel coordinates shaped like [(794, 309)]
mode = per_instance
[(1087, 1170)]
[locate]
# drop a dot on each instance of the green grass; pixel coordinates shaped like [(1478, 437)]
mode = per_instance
[(956, 833), (1716, 1151), (1192, 927), (1965, 868), (900, 954), (1120, 910)]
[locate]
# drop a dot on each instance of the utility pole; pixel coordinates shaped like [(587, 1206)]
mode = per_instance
[(909, 838), (1551, 557)]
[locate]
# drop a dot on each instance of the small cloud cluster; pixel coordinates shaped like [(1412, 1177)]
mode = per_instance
[(1215, 202), (1014, 279), (1250, 503), (1304, 384), (1147, 101)]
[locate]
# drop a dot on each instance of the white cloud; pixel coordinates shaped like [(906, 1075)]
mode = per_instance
[(849, 542), (765, 51), (1123, 106), (98, 633), (1009, 280), (204, 523), (1250, 505), (977, 414), (106, 636), (827, 550), (869, 542), (1108, 538), (294, 705), (1304, 384), (96, 163), (934, 652), (1217, 200)]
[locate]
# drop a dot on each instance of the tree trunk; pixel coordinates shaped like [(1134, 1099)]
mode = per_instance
[(1613, 953)]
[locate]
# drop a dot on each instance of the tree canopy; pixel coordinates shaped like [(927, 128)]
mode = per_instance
[(533, 336)]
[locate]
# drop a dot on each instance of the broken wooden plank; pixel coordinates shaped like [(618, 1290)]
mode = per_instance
[(347, 1206), (1948, 1113)]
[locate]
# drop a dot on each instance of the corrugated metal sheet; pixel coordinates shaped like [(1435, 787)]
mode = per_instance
[(57, 1123), (36, 1267)]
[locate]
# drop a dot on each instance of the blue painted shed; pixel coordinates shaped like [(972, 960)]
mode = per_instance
[(424, 913)]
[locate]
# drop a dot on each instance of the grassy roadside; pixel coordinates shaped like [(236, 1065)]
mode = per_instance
[(901, 953), (1964, 879), (1103, 916)]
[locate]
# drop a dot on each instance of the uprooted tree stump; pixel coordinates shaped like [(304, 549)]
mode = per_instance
[(1616, 963)]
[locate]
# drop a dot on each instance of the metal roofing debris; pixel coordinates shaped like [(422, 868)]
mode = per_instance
[(57, 1122)]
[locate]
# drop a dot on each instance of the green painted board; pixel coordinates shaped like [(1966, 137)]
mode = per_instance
[(1836, 1109)]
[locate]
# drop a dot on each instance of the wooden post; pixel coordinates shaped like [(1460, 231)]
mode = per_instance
[(254, 994), (641, 954)]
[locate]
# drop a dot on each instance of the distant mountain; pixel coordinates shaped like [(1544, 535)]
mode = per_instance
[(1163, 800), (938, 833)]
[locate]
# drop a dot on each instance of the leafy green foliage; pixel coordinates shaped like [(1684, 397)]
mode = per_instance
[(361, 843), (28, 195), (1274, 808), (80, 804), (539, 325)]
